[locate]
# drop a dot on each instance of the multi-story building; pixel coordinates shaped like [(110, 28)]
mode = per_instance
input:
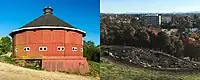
[(166, 19), (151, 19)]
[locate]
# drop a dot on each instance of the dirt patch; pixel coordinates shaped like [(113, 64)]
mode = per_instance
[(11, 72)]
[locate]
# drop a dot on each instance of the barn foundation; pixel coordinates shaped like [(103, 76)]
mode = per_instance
[(65, 64), (28, 62)]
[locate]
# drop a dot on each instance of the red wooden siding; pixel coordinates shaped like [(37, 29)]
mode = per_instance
[(20, 38), (20, 51), (58, 36), (69, 64), (67, 37), (49, 38), (34, 51), (75, 37)]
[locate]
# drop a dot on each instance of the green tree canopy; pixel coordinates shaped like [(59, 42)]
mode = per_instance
[(5, 45), (91, 51)]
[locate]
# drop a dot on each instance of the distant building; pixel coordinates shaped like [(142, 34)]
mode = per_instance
[(151, 19), (166, 19), (170, 31), (194, 30)]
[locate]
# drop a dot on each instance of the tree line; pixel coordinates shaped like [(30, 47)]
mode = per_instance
[(135, 34)]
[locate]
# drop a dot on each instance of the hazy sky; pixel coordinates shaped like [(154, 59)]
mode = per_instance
[(123, 6), (82, 14)]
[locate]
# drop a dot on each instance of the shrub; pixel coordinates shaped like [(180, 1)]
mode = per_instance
[(7, 59), (5, 45), (91, 51)]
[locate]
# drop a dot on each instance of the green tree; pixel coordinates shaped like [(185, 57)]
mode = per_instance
[(179, 48), (163, 40), (91, 51), (5, 45), (143, 37)]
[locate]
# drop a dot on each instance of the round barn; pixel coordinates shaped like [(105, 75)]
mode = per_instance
[(56, 43)]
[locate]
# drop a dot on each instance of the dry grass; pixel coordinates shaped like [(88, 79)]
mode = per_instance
[(11, 72), (115, 70)]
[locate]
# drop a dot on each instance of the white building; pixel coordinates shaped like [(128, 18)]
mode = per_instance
[(169, 31), (151, 19)]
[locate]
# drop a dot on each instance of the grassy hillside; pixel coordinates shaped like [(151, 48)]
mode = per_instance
[(112, 70), (94, 69)]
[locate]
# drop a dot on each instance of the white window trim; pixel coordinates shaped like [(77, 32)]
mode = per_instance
[(29, 48), (51, 27), (25, 48), (60, 48), (57, 48), (74, 48), (81, 49), (40, 47), (43, 48), (63, 48), (46, 48), (16, 49)]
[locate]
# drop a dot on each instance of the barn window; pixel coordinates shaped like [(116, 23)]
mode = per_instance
[(16, 49), (26, 48), (45, 48), (74, 48), (63, 49), (81, 49), (60, 48), (42, 48)]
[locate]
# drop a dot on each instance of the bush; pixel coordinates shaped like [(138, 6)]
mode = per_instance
[(5, 45), (91, 52), (192, 49), (7, 59)]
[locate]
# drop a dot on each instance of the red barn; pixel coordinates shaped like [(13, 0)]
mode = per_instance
[(56, 43)]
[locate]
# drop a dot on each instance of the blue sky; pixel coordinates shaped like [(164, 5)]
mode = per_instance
[(162, 6), (83, 14)]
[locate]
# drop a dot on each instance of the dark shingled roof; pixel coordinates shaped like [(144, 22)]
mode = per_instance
[(47, 20)]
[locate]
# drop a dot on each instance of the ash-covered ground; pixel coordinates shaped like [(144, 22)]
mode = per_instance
[(149, 58)]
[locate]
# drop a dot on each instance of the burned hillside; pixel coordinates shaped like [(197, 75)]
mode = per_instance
[(149, 58), (149, 46), (128, 30)]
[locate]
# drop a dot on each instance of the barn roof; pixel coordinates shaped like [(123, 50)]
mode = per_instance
[(48, 20)]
